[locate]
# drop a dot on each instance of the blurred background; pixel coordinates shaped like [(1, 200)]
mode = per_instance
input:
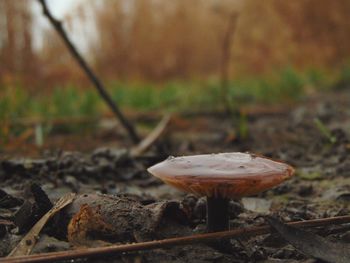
[(159, 56)]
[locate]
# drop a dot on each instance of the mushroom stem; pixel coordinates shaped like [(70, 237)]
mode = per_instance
[(217, 214)]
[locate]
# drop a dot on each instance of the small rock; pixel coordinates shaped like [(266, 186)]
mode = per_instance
[(305, 190), (258, 205), (345, 237), (50, 244)]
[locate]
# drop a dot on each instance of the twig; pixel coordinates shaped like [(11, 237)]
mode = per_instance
[(325, 131), (91, 75), (27, 243), (151, 138), (195, 239), (225, 59)]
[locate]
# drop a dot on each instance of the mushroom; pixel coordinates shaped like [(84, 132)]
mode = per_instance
[(221, 177)]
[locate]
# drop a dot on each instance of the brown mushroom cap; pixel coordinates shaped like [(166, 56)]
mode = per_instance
[(226, 175)]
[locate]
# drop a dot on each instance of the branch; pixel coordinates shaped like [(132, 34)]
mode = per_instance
[(90, 74), (195, 239), (151, 138)]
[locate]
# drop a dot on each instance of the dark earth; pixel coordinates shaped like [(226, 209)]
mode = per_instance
[(119, 202)]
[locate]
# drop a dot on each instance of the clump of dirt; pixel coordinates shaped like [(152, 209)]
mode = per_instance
[(117, 219)]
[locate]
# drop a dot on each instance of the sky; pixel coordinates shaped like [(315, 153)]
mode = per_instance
[(59, 9)]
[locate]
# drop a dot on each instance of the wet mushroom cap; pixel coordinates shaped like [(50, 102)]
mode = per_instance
[(226, 175)]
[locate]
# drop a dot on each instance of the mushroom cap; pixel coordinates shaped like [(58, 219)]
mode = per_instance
[(226, 175)]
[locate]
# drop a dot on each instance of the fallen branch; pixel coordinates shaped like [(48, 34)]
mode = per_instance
[(195, 239), (146, 143), (91, 75), (28, 242)]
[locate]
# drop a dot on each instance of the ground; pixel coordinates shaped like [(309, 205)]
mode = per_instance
[(128, 205)]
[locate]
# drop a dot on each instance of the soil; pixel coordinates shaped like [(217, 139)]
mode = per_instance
[(119, 202)]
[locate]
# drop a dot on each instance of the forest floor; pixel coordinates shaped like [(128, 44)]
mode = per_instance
[(313, 136)]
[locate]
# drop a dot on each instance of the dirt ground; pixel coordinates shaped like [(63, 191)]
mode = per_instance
[(124, 203)]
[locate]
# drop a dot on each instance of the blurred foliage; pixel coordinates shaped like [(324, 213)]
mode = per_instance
[(160, 41), (167, 55), (285, 86)]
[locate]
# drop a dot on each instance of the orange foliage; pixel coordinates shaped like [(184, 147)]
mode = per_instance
[(301, 33), (159, 40), (16, 48)]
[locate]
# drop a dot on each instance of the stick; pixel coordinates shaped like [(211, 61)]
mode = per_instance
[(90, 74), (151, 138), (195, 239)]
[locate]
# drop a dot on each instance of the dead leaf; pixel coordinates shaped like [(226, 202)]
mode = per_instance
[(26, 245), (310, 244), (87, 220)]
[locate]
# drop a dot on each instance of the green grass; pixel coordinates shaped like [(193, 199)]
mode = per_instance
[(282, 86)]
